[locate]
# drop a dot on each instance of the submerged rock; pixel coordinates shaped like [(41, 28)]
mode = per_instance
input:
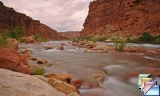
[(18, 84), (10, 59)]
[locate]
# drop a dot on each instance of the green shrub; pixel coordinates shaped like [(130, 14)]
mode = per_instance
[(146, 37), (75, 40), (22, 39), (119, 43), (39, 38), (16, 33), (39, 71), (3, 40)]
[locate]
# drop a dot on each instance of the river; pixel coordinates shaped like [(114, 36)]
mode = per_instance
[(116, 65)]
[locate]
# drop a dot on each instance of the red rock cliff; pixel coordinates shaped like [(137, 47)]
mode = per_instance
[(9, 19), (127, 17)]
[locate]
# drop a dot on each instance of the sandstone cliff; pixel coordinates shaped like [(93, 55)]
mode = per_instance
[(126, 17), (70, 34), (10, 19)]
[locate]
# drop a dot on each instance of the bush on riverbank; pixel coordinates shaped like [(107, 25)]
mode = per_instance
[(89, 38), (16, 33), (119, 43), (3, 40), (39, 71), (39, 38)]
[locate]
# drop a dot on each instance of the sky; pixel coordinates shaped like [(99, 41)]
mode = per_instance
[(61, 15)]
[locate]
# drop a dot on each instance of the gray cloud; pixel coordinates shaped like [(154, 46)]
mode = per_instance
[(61, 15)]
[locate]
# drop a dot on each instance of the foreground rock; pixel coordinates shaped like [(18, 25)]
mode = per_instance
[(60, 85), (17, 84), (62, 77), (12, 60), (12, 44)]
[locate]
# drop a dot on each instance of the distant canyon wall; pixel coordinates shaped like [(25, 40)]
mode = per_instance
[(10, 19), (125, 17), (70, 34)]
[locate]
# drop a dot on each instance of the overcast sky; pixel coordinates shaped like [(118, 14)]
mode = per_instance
[(61, 15)]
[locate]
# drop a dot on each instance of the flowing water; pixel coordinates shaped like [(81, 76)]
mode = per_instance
[(116, 65)]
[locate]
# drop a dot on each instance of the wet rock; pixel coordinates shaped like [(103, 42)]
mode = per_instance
[(12, 60), (12, 44), (33, 58), (153, 71), (76, 83), (26, 85), (30, 39), (61, 47), (132, 74), (61, 86), (62, 77), (90, 45), (101, 51), (73, 94), (89, 51), (42, 61), (74, 44), (27, 51), (48, 47)]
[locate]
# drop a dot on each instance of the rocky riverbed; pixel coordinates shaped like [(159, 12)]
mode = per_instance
[(102, 73)]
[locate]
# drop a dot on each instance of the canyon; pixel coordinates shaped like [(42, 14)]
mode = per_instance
[(70, 34), (10, 19), (128, 18)]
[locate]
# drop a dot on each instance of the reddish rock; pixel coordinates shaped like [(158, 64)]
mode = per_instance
[(127, 17), (90, 44), (62, 77), (12, 60), (153, 71), (33, 58), (30, 39), (76, 83), (133, 74), (10, 19), (26, 51), (61, 47), (48, 47)]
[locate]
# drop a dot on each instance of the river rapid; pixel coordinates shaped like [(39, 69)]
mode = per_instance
[(116, 65)]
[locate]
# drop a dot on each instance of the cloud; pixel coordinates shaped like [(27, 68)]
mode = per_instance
[(61, 15)]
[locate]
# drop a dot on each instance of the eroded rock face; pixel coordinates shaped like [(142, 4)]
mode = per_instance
[(9, 19), (18, 84), (128, 17), (12, 60)]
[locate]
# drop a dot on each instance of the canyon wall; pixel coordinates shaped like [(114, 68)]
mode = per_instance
[(10, 19), (70, 34), (124, 17)]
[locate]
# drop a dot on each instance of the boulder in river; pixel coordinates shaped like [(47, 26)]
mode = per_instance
[(62, 77), (18, 84), (12, 60), (30, 39), (48, 47), (42, 61), (76, 83)]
